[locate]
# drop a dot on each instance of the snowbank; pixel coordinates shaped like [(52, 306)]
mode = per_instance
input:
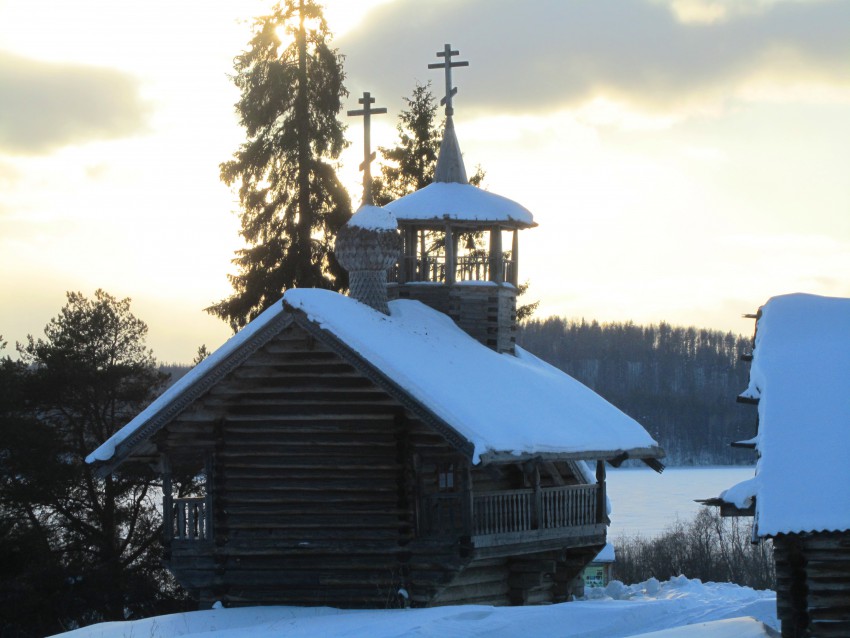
[(679, 607)]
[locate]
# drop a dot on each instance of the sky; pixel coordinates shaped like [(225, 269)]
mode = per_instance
[(685, 159)]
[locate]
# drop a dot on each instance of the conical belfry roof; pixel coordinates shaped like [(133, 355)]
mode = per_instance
[(450, 168), (450, 196)]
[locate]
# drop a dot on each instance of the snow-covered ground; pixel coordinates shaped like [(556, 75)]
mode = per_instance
[(678, 607)]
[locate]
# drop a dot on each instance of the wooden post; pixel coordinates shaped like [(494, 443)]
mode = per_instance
[(408, 270), (450, 255), (423, 267), (601, 508), (402, 260), (167, 501), (208, 497), (466, 503), (515, 259), (538, 520), (497, 261)]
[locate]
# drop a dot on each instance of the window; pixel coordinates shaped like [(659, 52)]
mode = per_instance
[(446, 477)]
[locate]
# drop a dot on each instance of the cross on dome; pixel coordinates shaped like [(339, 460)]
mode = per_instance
[(447, 64), (368, 154)]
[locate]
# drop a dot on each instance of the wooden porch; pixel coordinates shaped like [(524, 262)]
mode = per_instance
[(546, 516)]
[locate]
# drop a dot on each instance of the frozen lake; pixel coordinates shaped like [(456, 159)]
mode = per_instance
[(644, 502)]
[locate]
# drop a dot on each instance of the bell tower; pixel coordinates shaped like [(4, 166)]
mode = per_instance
[(453, 234)]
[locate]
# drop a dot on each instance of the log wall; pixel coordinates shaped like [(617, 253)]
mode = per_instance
[(317, 478), (813, 584), (315, 485)]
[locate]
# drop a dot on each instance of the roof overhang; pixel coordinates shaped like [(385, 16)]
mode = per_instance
[(441, 202), (649, 455)]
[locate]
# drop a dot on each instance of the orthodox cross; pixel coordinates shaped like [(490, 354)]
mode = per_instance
[(368, 155), (447, 65)]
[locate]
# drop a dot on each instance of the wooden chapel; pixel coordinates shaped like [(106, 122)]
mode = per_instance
[(393, 447)]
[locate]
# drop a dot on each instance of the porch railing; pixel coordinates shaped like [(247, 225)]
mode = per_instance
[(512, 510), (190, 519)]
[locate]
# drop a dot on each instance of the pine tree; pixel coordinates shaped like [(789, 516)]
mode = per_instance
[(97, 538), (291, 84)]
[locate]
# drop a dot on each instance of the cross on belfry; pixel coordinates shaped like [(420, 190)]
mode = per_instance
[(447, 65), (368, 155)]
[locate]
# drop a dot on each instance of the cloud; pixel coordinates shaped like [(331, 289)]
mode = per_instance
[(47, 105), (543, 55)]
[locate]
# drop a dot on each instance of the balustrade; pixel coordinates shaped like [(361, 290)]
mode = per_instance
[(468, 268), (190, 519), (513, 510)]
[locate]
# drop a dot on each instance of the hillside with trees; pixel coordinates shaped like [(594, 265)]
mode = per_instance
[(679, 383)]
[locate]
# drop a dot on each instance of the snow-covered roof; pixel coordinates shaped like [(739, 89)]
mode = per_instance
[(607, 555), (459, 202), (498, 403), (373, 218), (801, 376)]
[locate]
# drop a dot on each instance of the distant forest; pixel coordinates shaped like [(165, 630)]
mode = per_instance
[(679, 383)]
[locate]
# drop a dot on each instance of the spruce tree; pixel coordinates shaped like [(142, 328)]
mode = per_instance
[(409, 165), (292, 203)]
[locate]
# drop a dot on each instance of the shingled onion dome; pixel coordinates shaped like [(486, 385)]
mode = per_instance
[(367, 247)]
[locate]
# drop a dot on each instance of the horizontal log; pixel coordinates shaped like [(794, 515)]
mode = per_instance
[(254, 391), (297, 464), (350, 598), (543, 566), (824, 585), (297, 350), (539, 597), (301, 364), (826, 569), (492, 591), (830, 630), (345, 453), (318, 481), (525, 580), (839, 609), (300, 409)]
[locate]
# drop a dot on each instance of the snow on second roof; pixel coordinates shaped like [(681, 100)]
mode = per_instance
[(498, 402), (801, 374), (463, 202), (373, 218)]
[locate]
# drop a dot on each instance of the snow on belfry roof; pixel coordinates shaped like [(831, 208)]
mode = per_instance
[(498, 402), (801, 375), (461, 202)]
